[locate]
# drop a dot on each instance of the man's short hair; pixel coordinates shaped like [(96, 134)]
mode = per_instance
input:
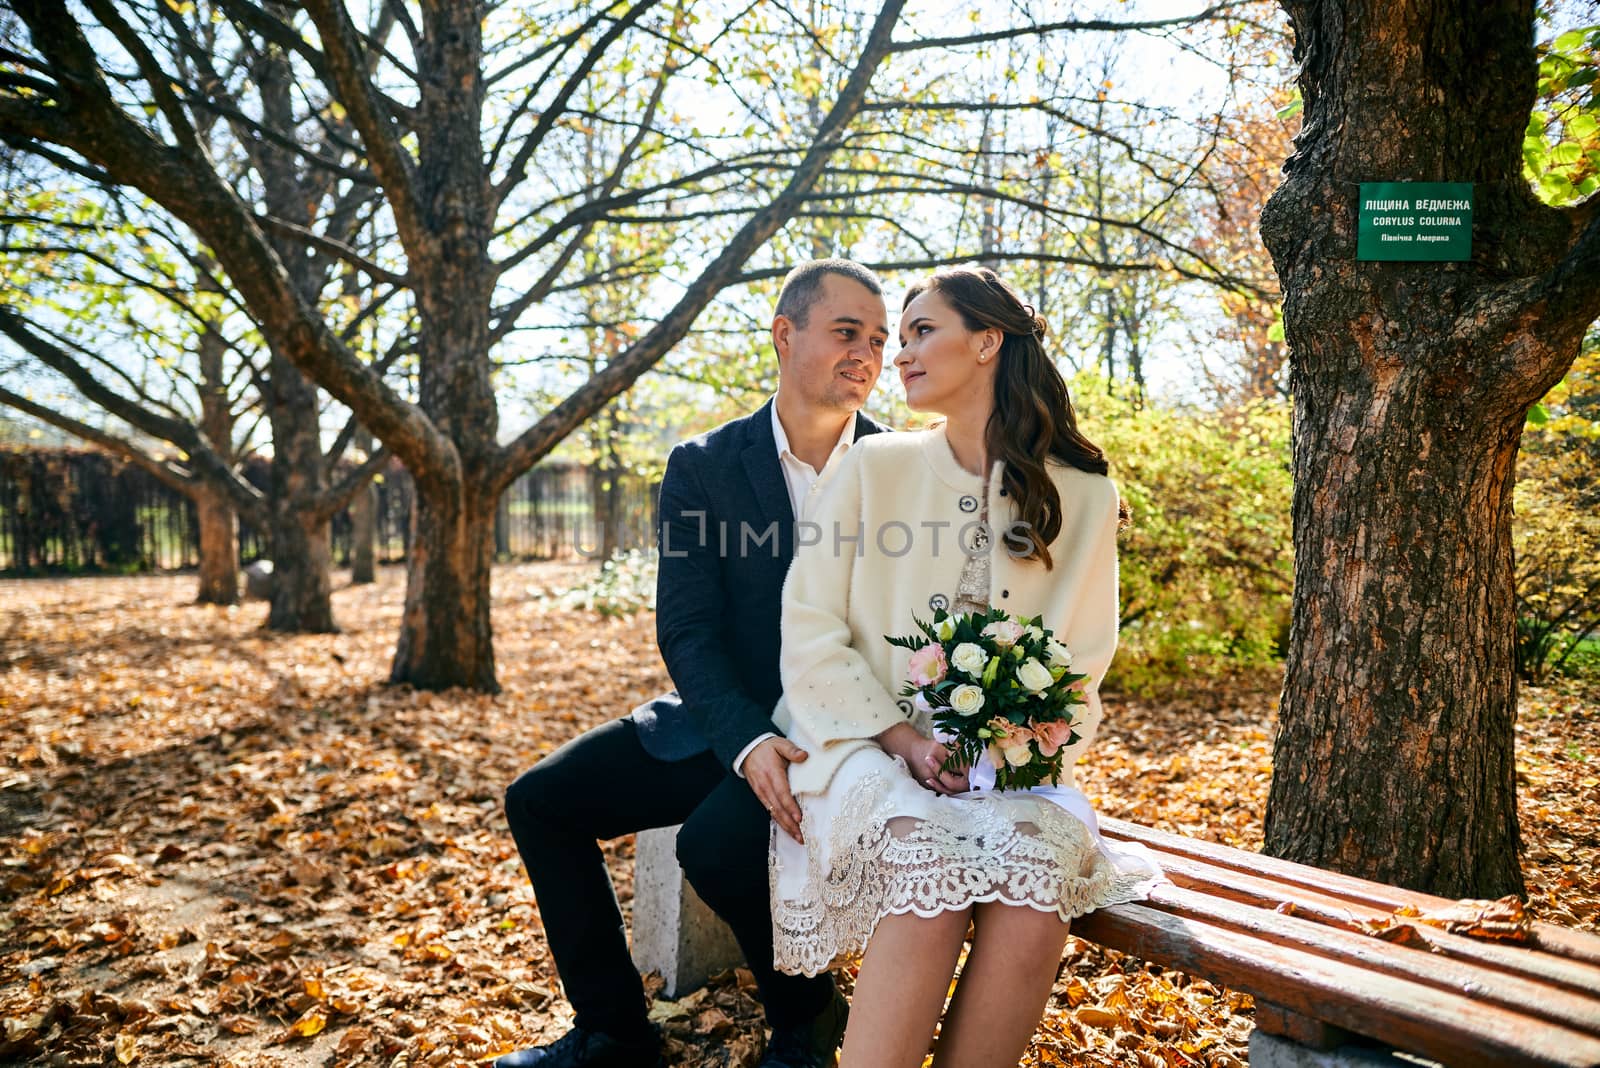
[(803, 286)]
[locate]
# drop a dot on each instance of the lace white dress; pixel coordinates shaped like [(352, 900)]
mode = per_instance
[(879, 844)]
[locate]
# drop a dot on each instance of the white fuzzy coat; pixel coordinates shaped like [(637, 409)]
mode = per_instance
[(841, 679)]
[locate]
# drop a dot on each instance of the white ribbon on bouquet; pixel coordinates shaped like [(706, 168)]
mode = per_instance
[(981, 777)]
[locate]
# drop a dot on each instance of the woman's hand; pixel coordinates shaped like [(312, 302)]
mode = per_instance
[(924, 758)]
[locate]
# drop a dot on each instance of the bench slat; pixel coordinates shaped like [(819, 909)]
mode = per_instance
[(1562, 941), (1453, 1028), (1269, 894), (1517, 993)]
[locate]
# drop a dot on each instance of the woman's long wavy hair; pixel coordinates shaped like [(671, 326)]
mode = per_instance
[(1033, 418)]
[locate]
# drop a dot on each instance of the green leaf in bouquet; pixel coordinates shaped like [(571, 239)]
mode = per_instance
[(991, 671)]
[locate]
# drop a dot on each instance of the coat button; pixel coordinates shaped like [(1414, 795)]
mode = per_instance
[(1005, 593), (969, 503), (938, 602)]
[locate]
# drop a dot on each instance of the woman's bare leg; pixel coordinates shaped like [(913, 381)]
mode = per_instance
[(901, 989), (1016, 952)]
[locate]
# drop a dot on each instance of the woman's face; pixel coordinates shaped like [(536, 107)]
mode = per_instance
[(944, 367)]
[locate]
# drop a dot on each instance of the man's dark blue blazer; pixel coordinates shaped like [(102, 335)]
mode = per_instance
[(726, 538)]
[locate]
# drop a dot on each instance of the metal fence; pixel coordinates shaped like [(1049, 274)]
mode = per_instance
[(68, 510)]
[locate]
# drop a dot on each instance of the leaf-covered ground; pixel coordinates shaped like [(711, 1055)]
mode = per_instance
[(219, 845)]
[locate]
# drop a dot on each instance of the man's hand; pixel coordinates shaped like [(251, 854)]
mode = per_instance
[(766, 769)]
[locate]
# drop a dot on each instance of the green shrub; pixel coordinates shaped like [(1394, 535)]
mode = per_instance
[(1583, 662), (1206, 568), (624, 586), (1556, 531)]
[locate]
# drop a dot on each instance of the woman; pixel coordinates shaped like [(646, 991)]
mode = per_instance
[(1005, 503)]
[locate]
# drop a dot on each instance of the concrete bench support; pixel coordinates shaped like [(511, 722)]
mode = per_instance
[(674, 932), (1271, 1051)]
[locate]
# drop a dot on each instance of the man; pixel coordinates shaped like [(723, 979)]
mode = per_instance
[(707, 755)]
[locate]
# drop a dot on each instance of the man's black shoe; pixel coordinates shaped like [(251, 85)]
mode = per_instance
[(587, 1049), (811, 1045)]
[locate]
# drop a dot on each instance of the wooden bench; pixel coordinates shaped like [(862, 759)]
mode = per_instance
[(1332, 969), (1298, 939)]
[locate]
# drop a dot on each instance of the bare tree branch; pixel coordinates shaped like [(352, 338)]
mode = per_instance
[(192, 190), (167, 472), (208, 463), (337, 249), (541, 288), (518, 168), (370, 113), (1069, 25), (640, 356), (331, 500)]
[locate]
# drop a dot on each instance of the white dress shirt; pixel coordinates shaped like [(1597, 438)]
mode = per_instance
[(804, 483)]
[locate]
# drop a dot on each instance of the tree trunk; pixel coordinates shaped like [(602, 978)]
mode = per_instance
[(1394, 755), (445, 634), (219, 548), (363, 523), (1394, 752), (604, 496), (219, 525), (502, 527), (302, 558), (302, 550)]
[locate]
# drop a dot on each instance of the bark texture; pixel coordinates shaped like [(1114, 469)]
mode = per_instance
[(1394, 757), (219, 524), (363, 525), (219, 548), (301, 545)]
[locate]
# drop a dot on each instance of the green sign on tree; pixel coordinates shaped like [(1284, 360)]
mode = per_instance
[(1415, 221)]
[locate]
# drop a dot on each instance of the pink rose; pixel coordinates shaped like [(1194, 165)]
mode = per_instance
[(1008, 743), (1052, 736), (1004, 632), (1014, 747), (927, 666)]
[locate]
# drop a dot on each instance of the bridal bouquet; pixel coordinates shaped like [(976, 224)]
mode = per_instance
[(998, 686)]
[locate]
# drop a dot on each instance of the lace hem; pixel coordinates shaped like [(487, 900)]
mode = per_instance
[(984, 849)]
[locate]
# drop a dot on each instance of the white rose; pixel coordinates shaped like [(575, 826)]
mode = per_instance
[(945, 629), (1059, 656), (1005, 632), (966, 699), (970, 658), (1015, 750), (1034, 675)]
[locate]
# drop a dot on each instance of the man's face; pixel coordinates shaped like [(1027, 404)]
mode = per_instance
[(834, 360)]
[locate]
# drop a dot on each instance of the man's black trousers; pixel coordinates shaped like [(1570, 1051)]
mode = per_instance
[(602, 785)]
